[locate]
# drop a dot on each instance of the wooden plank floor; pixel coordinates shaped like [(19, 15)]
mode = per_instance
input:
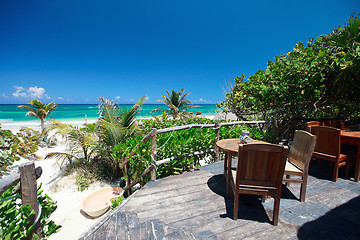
[(193, 205)]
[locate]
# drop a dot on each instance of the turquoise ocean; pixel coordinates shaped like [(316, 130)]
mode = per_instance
[(73, 112)]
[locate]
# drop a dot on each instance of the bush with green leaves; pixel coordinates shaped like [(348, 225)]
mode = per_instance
[(12, 146), (117, 202), (15, 218), (175, 144), (320, 80)]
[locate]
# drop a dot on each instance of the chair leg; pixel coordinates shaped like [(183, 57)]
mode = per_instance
[(303, 189), (336, 171), (236, 205), (276, 209)]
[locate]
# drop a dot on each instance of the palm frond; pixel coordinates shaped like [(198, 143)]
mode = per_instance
[(26, 107), (112, 133), (160, 110), (176, 102), (61, 157)]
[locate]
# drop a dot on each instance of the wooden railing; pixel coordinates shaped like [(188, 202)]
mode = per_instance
[(27, 176), (156, 163)]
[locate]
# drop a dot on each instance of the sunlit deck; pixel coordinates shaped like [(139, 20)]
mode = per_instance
[(193, 206)]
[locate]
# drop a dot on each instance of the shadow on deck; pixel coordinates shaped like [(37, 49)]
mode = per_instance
[(193, 205)]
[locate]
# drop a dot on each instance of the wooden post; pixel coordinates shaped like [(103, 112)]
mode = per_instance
[(153, 153), (217, 137), (126, 169), (29, 194), (274, 126)]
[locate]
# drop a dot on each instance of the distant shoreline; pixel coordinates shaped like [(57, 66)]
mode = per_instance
[(79, 112), (15, 126)]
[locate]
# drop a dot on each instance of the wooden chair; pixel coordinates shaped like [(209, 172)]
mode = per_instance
[(300, 154), (328, 147), (260, 171), (337, 124), (312, 124)]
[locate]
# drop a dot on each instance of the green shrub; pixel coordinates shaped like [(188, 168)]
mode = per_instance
[(175, 144), (316, 81), (117, 202), (13, 146), (14, 218)]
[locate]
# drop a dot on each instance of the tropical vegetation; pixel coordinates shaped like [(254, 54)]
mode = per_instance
[(90, 147), (177, 104), (39, 110), (15, 217), (14, 146), (175, 144), (318, 81), (81, 142)]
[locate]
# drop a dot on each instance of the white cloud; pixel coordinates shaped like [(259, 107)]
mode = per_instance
[(4, 95), (31, 92), (60, 98), (117, 97), (204, 100), (36, 92), (18, 92), (129, 100)]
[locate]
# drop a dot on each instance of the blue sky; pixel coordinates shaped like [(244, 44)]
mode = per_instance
[(75, 51)]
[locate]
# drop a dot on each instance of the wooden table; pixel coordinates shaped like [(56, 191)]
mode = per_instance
[(230, 147), (353, 138)]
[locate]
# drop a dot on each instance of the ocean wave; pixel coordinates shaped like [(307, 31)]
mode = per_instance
[(6, 120)]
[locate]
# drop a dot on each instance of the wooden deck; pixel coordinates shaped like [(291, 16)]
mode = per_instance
[(193, 206)]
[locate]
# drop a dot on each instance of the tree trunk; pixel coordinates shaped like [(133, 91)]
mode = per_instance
[(42, 126)]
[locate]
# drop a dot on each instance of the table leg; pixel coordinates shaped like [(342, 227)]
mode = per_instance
[(225, 165), (228, 175)]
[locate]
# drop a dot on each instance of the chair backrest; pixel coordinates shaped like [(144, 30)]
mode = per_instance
[(328, 140), (302, 149), (337, 124), (312, 124), (261, 165)]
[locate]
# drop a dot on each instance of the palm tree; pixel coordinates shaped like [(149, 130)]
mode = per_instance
[(39, 110), (344, 73), (115, 125), (82, 142), (115, 122), (177, 104)]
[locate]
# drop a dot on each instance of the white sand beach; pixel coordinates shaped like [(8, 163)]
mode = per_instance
[(61, 189)]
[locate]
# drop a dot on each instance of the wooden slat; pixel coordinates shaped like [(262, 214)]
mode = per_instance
[(192, 206), (122, 231)]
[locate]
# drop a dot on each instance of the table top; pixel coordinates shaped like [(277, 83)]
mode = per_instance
[(232, 144), (348, 133)]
